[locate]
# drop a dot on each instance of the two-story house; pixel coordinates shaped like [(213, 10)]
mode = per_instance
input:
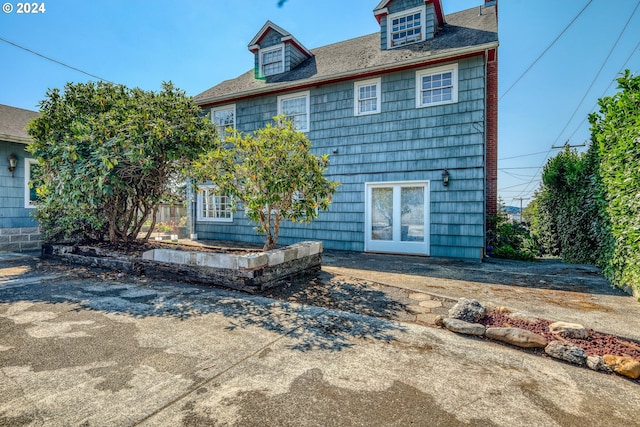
[(408, 116)]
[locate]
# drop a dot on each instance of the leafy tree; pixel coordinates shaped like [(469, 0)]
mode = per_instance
[(273, 173), (510, 240), (108, 155), (615, 133), (588, 207)]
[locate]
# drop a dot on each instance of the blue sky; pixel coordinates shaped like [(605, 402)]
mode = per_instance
[(199, 43)]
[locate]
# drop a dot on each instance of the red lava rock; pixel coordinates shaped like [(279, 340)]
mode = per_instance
[(597, 344)]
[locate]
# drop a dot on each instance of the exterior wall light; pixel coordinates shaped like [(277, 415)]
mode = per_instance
[(445, 178), (13, 162)]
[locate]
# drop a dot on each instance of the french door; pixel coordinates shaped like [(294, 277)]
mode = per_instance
[(397, 217)]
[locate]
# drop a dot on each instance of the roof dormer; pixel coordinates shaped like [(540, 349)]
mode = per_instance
[(404, 22), (276, 51)]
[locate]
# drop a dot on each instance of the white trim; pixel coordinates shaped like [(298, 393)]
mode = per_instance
[(28, 204), (423, 24), (396, 245), (199, 202), (296, 95), (356, 96), (270, 49), (226, 107), (453, 68)]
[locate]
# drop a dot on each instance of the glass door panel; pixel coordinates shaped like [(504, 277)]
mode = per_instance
[(412, 214), (382, 213)]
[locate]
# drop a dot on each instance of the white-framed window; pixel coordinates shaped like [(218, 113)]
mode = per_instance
[(213, 206), (224, 117), (406, 27), (31, 169), (366, 99), (296, 108), (272, 60), (438, 85)]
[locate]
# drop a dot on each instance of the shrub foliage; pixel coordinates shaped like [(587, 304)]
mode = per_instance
[(588, 207), (272, 173), (108, 154)]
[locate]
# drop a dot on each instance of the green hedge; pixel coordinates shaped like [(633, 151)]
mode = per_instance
[(587, 209)]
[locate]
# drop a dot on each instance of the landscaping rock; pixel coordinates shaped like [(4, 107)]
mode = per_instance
[(462, 327), (516, 336), (468, 310), (439, 321), (569, 330), (596, 363), (627, 366), (566, 351)]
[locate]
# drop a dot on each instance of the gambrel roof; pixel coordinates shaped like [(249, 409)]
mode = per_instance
[(464, 33)]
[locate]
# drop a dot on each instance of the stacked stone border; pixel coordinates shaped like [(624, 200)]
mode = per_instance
[(251, 272), (465, 315), (20, 239)]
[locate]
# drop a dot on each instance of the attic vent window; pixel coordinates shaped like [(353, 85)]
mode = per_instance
[(272, 60), (406, 27)]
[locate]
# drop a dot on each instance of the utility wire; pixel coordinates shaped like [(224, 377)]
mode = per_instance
[(544, 51), (592, 83), (522, 155), (599, 71), (53, 60), (635, 49)]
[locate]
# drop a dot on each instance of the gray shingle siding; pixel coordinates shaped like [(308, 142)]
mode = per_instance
[(402, 143), (272, 38), (292, 57), (12, 211)]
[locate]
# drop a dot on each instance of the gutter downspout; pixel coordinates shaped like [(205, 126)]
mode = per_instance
[(484, 157)]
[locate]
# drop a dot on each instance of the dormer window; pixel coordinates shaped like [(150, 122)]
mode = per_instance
[(406, 27), (272, 60), (276, 51)]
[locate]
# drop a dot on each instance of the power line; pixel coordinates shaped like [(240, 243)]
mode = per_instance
[(522, 155), (545, 51), (599, 71), (635, 49), (53, 60)]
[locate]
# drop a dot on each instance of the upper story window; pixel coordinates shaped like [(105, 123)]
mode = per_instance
[(224, 117), (272, 60), (435, 86), (213, 206), (406, 27), (367, 97), (296, 108)]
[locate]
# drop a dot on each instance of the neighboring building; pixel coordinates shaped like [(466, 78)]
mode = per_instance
[(408, 116), (18, 230)]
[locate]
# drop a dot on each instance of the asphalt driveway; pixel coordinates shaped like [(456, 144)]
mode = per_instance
[(100, 349)]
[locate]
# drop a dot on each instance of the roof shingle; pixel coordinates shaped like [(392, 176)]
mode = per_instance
[(13, 122), (463, 32)]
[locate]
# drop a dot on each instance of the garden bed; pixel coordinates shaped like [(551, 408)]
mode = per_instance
[(242, 269)]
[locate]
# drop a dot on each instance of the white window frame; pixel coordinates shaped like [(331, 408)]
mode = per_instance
[(423, 17), (264, 51), (200, 202), (296, 95), (356, 96), (453, 68), (229, 107), (396, 245), (28, 203)]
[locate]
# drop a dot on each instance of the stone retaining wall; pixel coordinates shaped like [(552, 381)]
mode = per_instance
[(20, 239), (251, 272)]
